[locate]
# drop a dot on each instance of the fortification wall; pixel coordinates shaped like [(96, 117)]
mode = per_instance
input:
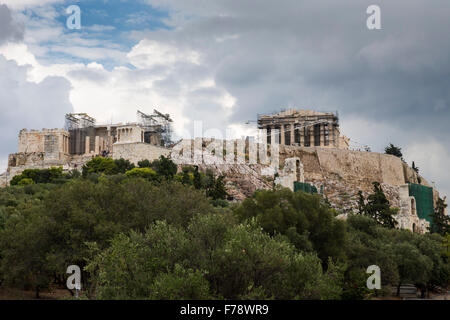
[(136, 152), (50, 141), (361, 168)]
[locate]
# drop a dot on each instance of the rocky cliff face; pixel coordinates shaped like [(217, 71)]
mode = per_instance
[(341, 174)]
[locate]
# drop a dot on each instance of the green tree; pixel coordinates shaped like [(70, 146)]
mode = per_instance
[(187, 175), (24, 242), (217, 189), (379, 208), (299, 216), (165, 167), (412, 265), (441, 221), (361, 203), (38, 176), (25, 182), (145, 173), (446, 245), (100, 165), (416, 170), (393, 150), (134, 266), (80, 212), (369, 244), (271, 267), (180, 284), (123, 165), (144, 164), (430, 245), (197, 179)]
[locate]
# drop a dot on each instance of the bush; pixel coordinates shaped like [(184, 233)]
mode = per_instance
[(180, 284), (38, 176), (123, 165), (305, 219), (25, 182), (213, 258), (145, 173), (100, 165)]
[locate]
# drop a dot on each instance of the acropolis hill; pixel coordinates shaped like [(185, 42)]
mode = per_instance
[(312, 151)]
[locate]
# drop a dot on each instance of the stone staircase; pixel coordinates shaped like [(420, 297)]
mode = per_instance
[(409, 292)]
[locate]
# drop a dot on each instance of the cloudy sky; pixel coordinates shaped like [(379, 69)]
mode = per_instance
[(225, 61)]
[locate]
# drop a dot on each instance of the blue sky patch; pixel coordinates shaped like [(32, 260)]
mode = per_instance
[(110, 22)]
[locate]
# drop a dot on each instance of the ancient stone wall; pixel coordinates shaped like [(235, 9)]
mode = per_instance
[(343, 173), (54, 143), (136, 152)]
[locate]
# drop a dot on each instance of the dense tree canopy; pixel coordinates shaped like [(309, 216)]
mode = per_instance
[(153, 233), (305, 219)]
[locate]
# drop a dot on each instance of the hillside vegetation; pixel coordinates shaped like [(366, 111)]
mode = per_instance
[(150, 233)]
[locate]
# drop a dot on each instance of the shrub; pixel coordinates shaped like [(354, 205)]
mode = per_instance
[(100, 165), (38, 176), (25, 182), (145, 173)]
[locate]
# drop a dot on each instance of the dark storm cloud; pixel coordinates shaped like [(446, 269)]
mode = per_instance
[(30, 105), (9, 29), (320, 55)]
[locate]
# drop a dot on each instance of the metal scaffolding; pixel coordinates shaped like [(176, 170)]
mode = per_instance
[(158, 125), (78, 121), (79, 125)]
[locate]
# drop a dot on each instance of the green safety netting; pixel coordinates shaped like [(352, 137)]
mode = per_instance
[(305, 187), (424, 200)]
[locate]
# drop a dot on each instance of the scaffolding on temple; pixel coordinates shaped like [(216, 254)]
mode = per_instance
[(79, 125), (78, 121), (156, 125)]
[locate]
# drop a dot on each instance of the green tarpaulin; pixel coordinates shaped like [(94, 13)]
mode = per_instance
[(424, 200)]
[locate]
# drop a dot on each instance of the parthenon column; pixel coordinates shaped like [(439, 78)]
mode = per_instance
[(292, 133), (322, 135), (282, 134), (309, 136), (302, 136), (87, 149), (268, 134), (97, 145)]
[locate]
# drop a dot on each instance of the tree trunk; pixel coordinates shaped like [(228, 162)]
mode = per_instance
[(37, 292), (422, 293), (398, 290)]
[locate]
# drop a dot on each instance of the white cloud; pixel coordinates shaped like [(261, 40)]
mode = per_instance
[(225, 61), (433, 160), (148, 53), (25, 104), (10, 30), (100, 28), (22, 4), (3, 165)]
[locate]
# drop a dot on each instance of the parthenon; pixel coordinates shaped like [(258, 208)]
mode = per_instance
[(305, 128)]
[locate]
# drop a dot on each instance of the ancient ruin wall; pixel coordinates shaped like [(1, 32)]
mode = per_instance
[(342, 173), (136, 152)]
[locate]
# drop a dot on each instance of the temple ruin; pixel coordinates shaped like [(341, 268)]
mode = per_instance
[(304, 128), (312, 152), (82, 139)]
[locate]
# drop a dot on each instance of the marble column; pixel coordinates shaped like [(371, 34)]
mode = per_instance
[(322, 135), (301, 132), (87, 146), (292, 133)]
